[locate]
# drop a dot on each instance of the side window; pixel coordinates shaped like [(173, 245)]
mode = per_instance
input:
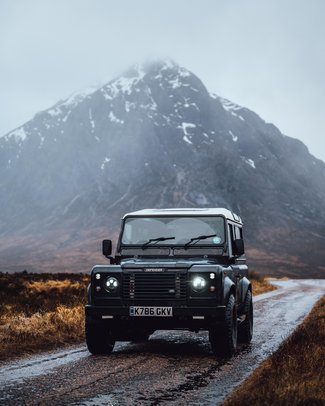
[(238, 233), (235, 233), (230, 238)]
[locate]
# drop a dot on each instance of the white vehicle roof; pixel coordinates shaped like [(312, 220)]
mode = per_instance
[(186, 212)]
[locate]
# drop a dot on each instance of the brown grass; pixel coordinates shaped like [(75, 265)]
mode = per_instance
[(45, 311), (31, 293), (40, 311), (295, 373), (260, 284), (23, 334)]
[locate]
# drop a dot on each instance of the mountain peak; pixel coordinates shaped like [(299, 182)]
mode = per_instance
[(155, 63), (155, 67)]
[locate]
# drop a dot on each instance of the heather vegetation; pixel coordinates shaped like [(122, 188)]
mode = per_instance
[(260, 284), (44, 311), (295, 373), (40, 311)]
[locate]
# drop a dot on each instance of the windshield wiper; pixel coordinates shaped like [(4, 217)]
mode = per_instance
[(156, 240), (196, 239)]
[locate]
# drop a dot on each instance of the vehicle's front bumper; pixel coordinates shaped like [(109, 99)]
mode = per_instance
[(183, 317)]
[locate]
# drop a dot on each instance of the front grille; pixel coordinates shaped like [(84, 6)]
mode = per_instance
[(162, 285)]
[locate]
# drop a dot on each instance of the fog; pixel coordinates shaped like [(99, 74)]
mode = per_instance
[(267, 56)]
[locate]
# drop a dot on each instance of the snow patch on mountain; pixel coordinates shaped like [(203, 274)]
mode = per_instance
[(249, 162), (184, 73), (185, 126), (129, 106), (66, 116), (19, 134), (114, 119), (92, 123), (105, 94), (186, 139), (237, 115), (234, 137), (76, 98), (42, 139), (176, 83), (228, 105), (54, 112), (105, 161), (123, 85)]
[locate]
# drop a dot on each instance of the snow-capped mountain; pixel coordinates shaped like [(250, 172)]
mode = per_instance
[(154, 137)]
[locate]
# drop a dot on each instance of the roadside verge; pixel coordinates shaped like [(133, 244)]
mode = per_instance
[(295, 373)]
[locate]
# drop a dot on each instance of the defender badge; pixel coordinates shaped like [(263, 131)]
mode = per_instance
[(153, 269)]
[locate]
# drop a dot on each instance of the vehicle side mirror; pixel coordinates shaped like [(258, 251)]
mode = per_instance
[(107, 248), (238, 247)]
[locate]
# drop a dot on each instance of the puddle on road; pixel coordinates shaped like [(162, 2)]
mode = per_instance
[(100, 400), (17, 371)]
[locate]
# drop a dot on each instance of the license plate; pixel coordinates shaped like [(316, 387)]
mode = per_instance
[(149, 311)]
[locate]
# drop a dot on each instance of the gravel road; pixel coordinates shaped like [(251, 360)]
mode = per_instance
[(174, 368)]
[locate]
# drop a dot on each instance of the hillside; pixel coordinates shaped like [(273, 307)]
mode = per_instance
[(155, 137)]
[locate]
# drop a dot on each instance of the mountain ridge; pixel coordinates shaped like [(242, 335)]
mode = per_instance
[(155, 136)]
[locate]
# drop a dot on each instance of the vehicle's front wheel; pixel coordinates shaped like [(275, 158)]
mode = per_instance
[(98, 337), (245, 329), (223, 338)]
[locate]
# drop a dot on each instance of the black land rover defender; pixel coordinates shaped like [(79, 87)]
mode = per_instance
[(173, 269)]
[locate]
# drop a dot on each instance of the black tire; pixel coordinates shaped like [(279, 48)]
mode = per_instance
[(245, 328), (140, 335), (98, 337), (141, 338), (223, 338)]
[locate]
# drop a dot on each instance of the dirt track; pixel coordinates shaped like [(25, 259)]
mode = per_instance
[(174, 368)]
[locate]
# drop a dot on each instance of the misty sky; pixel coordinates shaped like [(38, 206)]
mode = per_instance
[(268, 56)]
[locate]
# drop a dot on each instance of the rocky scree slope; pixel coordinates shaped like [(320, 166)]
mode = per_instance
[(155, 137)]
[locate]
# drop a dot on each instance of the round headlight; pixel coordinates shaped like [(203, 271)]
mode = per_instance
[(111, 284), (198, 283)]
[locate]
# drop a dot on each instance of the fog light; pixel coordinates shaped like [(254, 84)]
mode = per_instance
[(98, 288), (212, 288)]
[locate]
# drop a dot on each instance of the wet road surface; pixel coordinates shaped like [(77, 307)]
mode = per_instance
[(174, 368)]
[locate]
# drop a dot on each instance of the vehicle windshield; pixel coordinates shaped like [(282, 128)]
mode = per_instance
[(139, 230)]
